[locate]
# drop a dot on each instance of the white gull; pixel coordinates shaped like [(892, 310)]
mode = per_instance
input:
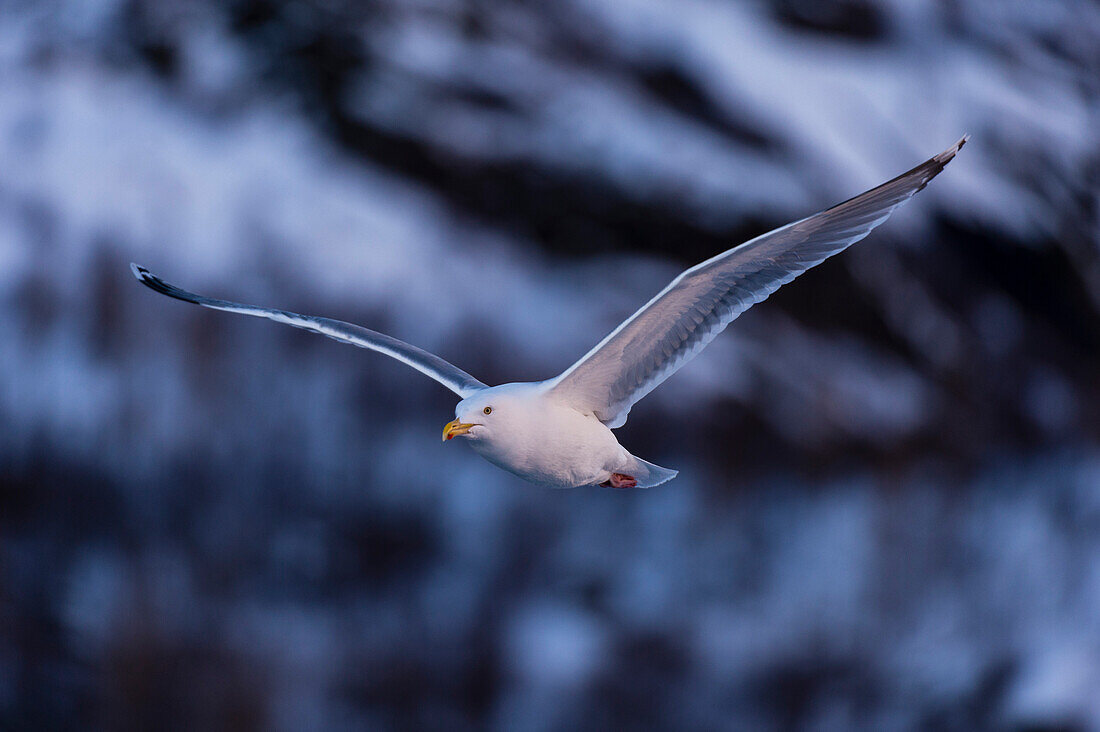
[(558, 432)]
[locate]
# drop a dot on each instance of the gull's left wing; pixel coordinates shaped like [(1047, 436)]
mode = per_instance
[(675, 325), (450, 376)]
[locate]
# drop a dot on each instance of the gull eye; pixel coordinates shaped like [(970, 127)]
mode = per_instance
[(488, 410)]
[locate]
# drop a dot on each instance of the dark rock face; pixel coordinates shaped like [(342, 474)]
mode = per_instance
[(886, 515)]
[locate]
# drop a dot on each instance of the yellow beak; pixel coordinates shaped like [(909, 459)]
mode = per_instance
[(454, 428)]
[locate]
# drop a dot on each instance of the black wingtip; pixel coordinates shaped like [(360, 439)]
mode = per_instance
[(934, 166), (148, 279), (156, 284), (947, 155)]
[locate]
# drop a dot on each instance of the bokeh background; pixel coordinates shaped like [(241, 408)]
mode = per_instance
[(888, 511)]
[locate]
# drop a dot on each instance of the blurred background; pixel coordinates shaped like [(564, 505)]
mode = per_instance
[(888, 510)]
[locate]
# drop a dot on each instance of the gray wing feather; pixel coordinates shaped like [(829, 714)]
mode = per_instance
[(450, 376), (675, 325)]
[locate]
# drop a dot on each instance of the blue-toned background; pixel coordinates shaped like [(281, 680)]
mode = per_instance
[(888, 510)]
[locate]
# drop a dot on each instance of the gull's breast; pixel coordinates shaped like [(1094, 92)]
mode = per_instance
[(559, 447)]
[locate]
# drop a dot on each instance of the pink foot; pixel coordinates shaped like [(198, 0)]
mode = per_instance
[(620, 480)]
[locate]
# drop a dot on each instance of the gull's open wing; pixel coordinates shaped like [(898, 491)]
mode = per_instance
[(675, 325), (452, 377)]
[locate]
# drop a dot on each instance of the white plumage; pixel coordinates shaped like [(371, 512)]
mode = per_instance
[(558, 432)]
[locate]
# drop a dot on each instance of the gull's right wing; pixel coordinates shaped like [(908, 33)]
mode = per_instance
[(452, 377), (675, 325)]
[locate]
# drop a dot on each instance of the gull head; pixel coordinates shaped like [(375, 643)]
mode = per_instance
[(496, 412)]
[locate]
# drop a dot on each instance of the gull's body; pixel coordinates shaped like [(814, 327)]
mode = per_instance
[(536, 435), (558, 432)]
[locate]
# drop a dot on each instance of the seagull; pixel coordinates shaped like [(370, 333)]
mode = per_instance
[(558, 432)]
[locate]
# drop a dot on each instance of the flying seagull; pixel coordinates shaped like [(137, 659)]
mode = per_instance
[(558, 432)]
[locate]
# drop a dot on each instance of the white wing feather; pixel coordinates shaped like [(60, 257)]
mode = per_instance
[(675, 325), (450, 376)]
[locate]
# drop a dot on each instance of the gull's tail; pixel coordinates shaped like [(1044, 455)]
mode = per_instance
[(649, 475)]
